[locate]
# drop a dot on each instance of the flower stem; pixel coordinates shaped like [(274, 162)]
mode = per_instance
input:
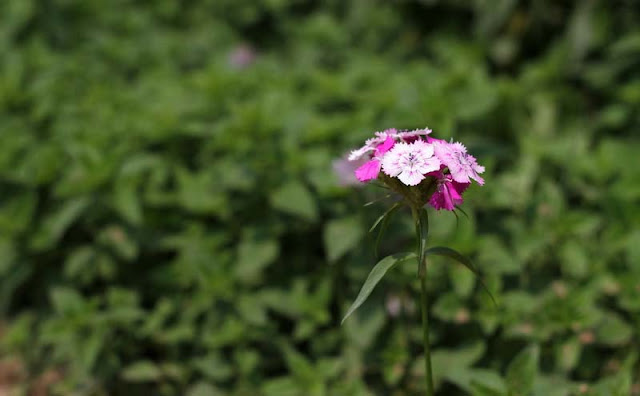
[(421, 234), (425, 335)]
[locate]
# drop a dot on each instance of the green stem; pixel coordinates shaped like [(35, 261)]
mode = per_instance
[(425, 336), (424, 301)]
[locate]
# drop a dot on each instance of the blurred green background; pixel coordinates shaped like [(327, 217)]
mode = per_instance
[(170, 223)]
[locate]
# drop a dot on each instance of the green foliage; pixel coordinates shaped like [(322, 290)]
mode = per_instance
[(169, 221), (375, 276)]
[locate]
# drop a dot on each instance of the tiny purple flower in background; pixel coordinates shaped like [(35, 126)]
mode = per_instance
[(409, 162), (242, 56), (463, 166), (345, 171)]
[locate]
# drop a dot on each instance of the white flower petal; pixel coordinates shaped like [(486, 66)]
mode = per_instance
[(411, 178)]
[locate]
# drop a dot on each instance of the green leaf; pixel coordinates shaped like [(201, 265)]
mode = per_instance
[(486, 383), (142, 371), (522, 371), (377, 200), (126, 201), (281, 386), (295, 199), (386, 217), (66, 300), (340, 236), (203, 389), (386, 214), (451, 253), (568, 354), (617, 384), (213, 367), (57, 223), (454, 365), (7, 256), (613, 331), (374, 277), (254, 255)]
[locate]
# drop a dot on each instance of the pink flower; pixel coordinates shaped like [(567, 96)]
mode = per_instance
[(448, 193), (371, 169), (385, 146), (372, 144), (462, 166), (409, 162)]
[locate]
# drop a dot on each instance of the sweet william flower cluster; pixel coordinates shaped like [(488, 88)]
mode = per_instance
[(424, 171), (421, 168)]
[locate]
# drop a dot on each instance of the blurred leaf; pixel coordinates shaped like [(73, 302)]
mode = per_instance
[(613, 330), (66, 300), (486, 382), (453, 364), (203, 389), (522, 371), (281, 386), (57, 223), (295, 199), (17, 213), (141, 371), (568, 354), (448, 252), (126, 200), (213, 367), (253, 256), (340, 236)]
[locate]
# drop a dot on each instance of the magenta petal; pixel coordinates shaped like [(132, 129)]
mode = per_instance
[(448, 194), (456, 189), (385, 146), (441, 199), (368, 171)]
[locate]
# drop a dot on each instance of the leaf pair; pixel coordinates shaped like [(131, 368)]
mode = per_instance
[(422, 230)]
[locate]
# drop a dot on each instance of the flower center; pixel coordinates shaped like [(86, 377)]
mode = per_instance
[(412, 159), (462, 159)]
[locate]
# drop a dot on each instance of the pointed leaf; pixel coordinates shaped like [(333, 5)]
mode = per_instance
[(386, 217), (295, 199), (142, 371), (374, 277), (376, 200), (451, 253), (462, 211), (341, 236), (522, 371), (386, 214)]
